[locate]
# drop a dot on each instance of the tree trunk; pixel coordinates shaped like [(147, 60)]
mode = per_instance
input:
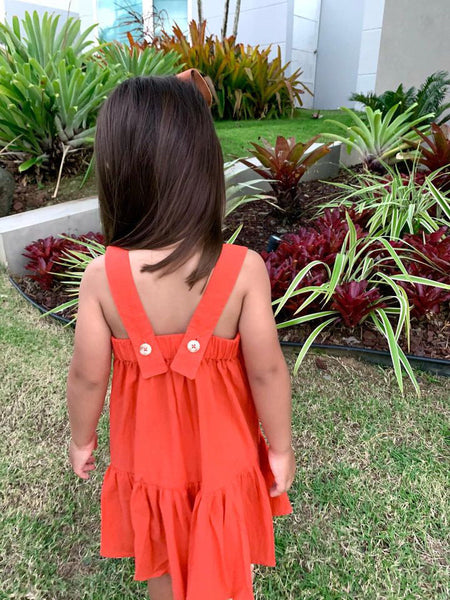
[(225, 19), (236, 17), (200, 11)]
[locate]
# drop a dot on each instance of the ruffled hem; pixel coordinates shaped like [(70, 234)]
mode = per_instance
[(206, 541)]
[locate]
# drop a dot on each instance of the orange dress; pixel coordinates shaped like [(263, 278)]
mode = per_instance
[(186, 492)]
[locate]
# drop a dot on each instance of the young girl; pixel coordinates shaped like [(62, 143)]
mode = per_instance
[(192, 486)]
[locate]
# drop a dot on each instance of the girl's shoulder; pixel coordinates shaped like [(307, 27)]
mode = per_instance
[(94, 274), (253, 267)]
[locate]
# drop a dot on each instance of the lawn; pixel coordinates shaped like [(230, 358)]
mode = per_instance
[(370, 498), (235, 136)]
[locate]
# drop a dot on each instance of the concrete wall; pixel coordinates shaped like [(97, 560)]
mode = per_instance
[(305, 34), (261, 22), (12, 8), (338, 52), (370, 45), (415, 42)]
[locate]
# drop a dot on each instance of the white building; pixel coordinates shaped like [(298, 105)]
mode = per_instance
[(342, 46)]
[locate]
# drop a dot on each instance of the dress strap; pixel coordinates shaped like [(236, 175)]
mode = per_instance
[(208, 311), (134, 318)]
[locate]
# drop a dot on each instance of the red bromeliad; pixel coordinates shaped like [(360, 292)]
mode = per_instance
[(45, 254), (353, 301)]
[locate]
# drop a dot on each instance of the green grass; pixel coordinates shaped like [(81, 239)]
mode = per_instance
[(370, 498), (235, 136)]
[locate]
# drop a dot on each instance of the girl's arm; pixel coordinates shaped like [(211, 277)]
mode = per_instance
[(267, 371), (89, 372)]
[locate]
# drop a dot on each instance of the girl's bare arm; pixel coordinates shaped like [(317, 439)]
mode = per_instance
[(89, 371), (267, 370)]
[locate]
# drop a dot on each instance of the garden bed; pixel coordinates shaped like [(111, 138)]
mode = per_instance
[(430, 336)]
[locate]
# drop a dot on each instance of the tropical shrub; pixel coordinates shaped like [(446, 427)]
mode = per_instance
[(134, 61), (397, 204), (429, 98), (284, 165), (349, 286), (50, 90), (247, 83), (53, 80), (378, 138)]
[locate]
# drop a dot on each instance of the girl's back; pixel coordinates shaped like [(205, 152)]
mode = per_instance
[(167, 301), (192, 487), (187, 456)]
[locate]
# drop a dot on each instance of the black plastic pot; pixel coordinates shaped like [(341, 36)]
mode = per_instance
[(379, 357)]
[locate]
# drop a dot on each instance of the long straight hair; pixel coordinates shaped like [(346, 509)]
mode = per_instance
[(160, 173)]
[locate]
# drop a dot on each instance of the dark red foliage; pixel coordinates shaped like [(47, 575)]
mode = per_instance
[(354, 301), (322, 240), (435, 154), (284, 165), (44, 255), (418, 176), (425, 298), (436, 248)]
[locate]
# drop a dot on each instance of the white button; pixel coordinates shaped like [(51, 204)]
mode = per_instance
[(193, 346), (145, 349)]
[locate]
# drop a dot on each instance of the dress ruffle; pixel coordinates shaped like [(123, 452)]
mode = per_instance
[(206, 541)]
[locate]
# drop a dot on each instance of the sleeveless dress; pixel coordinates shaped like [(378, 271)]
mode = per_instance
[(186, 492)]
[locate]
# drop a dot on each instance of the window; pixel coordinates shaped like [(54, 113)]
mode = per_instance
[(116, 17), (169, 12)]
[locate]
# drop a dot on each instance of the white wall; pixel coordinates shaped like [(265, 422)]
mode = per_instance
[(303, 52), (19, 7), (370, 45), (338, 52), (261, 22), (415, 42)]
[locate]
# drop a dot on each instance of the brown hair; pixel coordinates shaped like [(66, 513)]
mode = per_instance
[(160, 172)]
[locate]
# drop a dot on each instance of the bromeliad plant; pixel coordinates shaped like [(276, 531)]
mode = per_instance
[(284, 165), (53, 80), (46, 256), (434, 154), (378, 138), (135, 60), (50, 89), (398, 203), (351, 286), (248, 83)]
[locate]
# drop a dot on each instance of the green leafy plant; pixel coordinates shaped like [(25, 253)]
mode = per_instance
[(357, 289), (50, 89), (284, 165), (397, 204), (53, 80), (246, 82), (378, 138), (234, 190), (428, 99), (134, 60)]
